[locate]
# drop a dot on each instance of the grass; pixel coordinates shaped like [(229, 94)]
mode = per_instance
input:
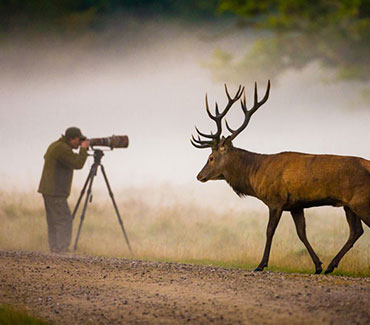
[(180, 230), (10, 316)]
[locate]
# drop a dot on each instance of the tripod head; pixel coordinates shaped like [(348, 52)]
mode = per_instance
[(98, 155)]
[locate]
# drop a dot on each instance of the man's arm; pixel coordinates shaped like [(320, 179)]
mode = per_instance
[(71, 159)]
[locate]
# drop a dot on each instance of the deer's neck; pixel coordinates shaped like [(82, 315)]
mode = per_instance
[(242, 166)]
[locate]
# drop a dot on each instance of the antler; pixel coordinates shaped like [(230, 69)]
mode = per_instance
[(248, 113), (215, 138)]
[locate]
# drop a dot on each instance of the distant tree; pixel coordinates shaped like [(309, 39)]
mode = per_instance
[(81, 15), (333, 32)]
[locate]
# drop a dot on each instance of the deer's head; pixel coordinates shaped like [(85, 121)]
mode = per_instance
[(221, 146)]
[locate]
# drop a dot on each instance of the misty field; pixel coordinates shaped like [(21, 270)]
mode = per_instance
[(179, 230)]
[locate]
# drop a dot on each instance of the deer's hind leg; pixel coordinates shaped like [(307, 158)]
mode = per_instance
[(356, 230), (300, 224)]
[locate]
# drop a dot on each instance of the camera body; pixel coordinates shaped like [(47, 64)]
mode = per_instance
[(115, 141)]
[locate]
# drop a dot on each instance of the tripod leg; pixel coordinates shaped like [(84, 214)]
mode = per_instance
[(88, 195), (116, 208), (81, 195)]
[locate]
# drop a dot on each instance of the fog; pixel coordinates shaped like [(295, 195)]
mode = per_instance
[(149, 81)]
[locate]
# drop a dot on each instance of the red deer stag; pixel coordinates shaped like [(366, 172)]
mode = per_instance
[(287, 181)]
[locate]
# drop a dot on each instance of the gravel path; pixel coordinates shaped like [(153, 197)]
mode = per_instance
[(93, 290)]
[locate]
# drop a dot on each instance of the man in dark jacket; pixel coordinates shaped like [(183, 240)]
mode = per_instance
[(55, 185)]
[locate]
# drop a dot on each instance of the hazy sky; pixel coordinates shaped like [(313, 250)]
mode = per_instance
[(150, 85)]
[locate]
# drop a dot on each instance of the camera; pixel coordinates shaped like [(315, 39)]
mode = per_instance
[(115, 141)]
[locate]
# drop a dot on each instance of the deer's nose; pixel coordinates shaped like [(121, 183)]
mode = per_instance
[(201, 178)]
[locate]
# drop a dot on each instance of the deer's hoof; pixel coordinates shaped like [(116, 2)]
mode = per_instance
[(258, 269), (329, 269), (318, 270)]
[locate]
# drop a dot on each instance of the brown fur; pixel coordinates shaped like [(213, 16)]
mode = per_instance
[(292, 181)]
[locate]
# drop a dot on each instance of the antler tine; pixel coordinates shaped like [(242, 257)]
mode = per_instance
[(243, 106), (249, 113), (199, 141), (240, 92), (214, 137), (237, 95), (255, 94), (264, 99), (229, 128), (243, 103), (200, 146), (207, 109), (227, 92), (217, 111), (209, 136)]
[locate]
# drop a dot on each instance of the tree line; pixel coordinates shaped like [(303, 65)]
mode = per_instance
[(335, 33)]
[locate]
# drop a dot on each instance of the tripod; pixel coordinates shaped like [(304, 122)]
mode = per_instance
[(98, 154)]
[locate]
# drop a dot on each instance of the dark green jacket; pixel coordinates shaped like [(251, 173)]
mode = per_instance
[(59, 163)]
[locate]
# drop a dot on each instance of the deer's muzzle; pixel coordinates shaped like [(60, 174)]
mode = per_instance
[(202, 178)]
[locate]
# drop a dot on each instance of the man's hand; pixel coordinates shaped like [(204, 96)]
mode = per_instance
[(85, 144)]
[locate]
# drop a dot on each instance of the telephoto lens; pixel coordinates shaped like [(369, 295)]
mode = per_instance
[(115, 141)]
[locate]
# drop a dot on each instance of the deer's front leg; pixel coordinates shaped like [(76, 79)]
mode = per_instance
[(274, 218)]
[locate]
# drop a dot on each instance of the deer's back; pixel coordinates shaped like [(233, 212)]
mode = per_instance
[(306, 180)]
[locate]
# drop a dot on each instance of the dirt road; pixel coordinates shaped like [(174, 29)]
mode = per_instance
[(81, 290)]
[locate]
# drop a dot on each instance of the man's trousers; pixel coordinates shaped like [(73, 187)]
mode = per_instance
[(59, 220)]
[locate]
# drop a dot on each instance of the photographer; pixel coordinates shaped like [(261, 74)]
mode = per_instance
[(55, 185)]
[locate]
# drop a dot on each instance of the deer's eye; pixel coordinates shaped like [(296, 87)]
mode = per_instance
[(211, 159)]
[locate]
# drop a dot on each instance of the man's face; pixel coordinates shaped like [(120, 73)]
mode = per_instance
[(75, 142)]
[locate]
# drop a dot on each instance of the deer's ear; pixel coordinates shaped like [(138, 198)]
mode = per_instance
[(225, 144)]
